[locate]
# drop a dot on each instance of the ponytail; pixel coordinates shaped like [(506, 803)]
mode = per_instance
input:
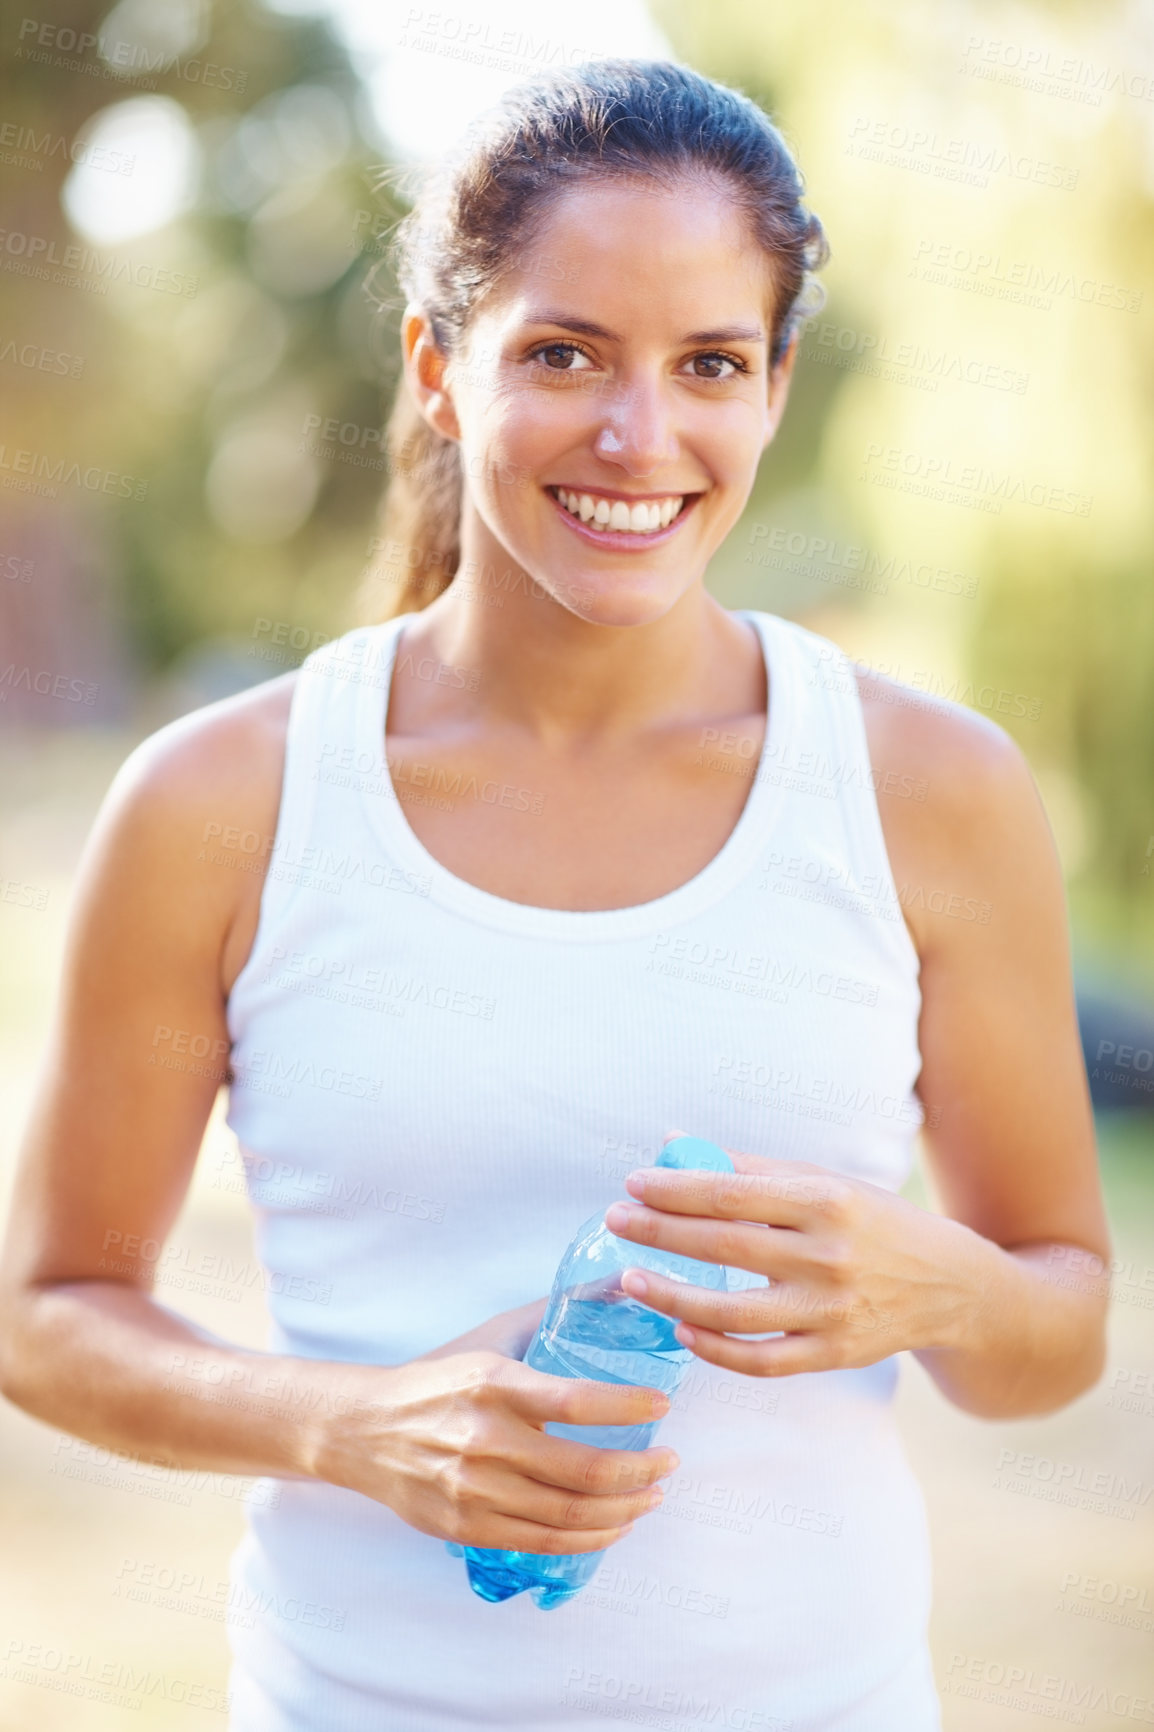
[(417, 547), (476, 214)]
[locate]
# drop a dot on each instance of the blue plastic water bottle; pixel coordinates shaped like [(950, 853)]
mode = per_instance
[(592, 1329)]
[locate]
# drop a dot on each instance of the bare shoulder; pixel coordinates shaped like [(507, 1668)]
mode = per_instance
[(960, 810), (236, 741), (966, 755), (201, 791)]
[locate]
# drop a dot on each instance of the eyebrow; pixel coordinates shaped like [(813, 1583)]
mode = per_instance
[(586, 328)]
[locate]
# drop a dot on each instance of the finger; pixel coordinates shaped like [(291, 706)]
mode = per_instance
[(539, 1397), (512, 1534), (774, 1193), (762, 1250), (564, 1463), (513, 1494), (753, 1311), (784, 1356)]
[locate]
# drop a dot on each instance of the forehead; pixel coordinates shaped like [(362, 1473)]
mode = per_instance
[(679, 256)]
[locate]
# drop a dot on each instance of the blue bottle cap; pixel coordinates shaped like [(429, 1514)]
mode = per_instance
[(694, 1153)]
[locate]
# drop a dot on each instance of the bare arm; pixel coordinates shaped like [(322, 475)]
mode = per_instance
[(1010, 1132), (454, 1441), (1001, 1298)]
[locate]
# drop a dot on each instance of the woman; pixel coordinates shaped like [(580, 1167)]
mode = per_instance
[(633, 864)]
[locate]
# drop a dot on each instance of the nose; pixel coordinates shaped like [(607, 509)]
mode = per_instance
[(638, 433)]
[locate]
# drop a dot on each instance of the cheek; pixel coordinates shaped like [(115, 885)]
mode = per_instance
[(729, 439), (511, 444)]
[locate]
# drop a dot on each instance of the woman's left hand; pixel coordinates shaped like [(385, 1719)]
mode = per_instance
[(856, 1272)]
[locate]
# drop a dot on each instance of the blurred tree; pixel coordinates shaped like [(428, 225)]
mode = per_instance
[(987, 187), (213, 348)]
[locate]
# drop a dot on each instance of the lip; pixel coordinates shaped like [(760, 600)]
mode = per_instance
[(623, 539)]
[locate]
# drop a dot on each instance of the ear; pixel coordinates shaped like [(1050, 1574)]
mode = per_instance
[(778, 393), (425, 366)]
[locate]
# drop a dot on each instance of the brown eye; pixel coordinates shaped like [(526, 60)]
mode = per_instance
[(558, 356), (713, 364)]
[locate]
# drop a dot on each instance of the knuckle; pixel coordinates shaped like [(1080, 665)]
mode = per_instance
[(569, 1400), (456, 1487), (574, 1511), (837, 1201), (484, 1378), (601, 1477), (728, 1247), (837, 1263), (730, 1193)]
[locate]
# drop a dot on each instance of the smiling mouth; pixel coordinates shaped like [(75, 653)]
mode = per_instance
[(639, 517)]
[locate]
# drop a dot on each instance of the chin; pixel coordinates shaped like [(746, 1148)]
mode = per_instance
[(600, 602)]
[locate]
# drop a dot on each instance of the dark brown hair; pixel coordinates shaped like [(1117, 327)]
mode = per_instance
[(478, 210)]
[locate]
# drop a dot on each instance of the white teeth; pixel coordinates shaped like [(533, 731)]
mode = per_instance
[(641, 519)]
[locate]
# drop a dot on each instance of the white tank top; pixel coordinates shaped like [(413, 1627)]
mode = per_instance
[(434, 1087)]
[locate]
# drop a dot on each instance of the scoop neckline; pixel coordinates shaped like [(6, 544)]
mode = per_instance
[(738, 854)]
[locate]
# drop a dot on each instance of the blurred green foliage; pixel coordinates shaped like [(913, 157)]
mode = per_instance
[(216, 398)]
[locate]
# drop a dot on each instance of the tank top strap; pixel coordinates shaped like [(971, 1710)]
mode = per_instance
[(320, 841), (823, 759)]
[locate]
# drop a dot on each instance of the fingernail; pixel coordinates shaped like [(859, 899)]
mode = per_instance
[(618, 1215), (635, 1284)]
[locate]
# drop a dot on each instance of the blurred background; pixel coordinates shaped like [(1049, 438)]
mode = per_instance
[(194, 377)]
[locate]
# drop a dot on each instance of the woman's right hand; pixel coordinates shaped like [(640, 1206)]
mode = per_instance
[(454, 1442)]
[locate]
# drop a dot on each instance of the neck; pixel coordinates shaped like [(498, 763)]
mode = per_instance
[(543, 670)]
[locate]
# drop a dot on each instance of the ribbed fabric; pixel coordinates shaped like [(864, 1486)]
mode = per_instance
[(435, 1087)]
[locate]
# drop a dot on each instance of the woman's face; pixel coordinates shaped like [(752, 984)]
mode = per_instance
[(612, 398)]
